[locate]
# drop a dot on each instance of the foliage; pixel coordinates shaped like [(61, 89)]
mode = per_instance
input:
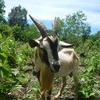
[(88, 79), (2, 11), (74, 26), (95, 36), (2, 6), (31, 33), (5, 30), (12, 65), (19, 34), (18, 16)]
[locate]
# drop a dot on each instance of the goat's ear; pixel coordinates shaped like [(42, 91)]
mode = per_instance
[(66, 45), (33, 43)]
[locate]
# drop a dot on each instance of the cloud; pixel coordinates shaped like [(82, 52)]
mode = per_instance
[(48, 9)]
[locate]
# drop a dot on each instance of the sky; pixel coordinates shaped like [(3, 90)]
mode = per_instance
[(49, 9)]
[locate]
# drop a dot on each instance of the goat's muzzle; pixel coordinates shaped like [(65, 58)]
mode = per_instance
[(56, 65)]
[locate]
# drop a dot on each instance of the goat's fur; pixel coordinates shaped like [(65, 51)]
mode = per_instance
[(45, 74), (41, 64)]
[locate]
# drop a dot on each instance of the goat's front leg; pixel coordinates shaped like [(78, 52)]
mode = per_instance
[(49, 94), (62, 87)]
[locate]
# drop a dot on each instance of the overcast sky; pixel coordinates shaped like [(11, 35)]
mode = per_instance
[(48, 9)]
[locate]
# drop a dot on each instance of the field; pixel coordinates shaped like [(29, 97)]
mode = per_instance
[(16, 56), (18, 83)]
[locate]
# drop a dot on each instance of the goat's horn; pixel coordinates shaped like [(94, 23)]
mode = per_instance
[(43, 30), (55, 26)]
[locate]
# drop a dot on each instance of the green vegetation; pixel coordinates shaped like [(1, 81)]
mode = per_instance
[(16, 80)]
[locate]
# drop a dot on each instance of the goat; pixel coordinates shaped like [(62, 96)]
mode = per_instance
[(51, 60)]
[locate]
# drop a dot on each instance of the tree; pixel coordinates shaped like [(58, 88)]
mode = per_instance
[(18, 15), (74, 27), (2, 11), (25, 35), (95, 36), (31, 33)]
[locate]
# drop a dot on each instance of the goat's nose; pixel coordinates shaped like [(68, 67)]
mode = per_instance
[(56, 65)]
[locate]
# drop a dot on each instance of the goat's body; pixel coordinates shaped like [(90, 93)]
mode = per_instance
[(69, 64)]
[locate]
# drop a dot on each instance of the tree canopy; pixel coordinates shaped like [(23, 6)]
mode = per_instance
[(73, 26), (2, 11), (18, 15)]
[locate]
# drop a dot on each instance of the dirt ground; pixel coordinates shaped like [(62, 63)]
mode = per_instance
[(68, 93)]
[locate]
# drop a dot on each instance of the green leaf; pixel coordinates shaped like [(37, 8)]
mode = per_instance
[(83, 79), (2, 57), (17, 87), (20, 78), (4, 72), (19, 59), (93, 94), (1, 73), (35, 90), (15, 71), (0, 36)]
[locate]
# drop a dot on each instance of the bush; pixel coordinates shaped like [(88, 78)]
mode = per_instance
[(13, 58)]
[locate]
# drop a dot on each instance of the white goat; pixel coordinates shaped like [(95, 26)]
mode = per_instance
[(52, 61)]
